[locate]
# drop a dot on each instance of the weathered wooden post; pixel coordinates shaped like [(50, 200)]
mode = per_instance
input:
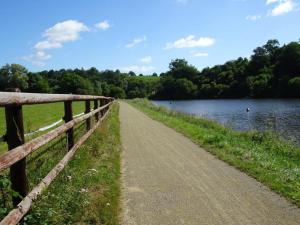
[(14, 138), (106, 102), (101, 104), (96, 107), (100, 112), (68, 117), (87, 110)]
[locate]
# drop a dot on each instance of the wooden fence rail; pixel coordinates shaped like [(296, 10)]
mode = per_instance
[(15, 158), (16, 98)]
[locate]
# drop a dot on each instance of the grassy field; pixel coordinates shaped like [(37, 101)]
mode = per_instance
[(87, 191), (263, 156), (37, 116)]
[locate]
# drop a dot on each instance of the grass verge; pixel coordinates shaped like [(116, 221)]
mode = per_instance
[(264, 156), (87, 191)]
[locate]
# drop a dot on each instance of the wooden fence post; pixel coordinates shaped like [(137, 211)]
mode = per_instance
[(87, 110), (101, 104), (106, 102), (68, 117), (14, 138), (96, 107)]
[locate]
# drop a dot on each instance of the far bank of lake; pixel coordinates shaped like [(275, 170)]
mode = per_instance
[(279, 115)]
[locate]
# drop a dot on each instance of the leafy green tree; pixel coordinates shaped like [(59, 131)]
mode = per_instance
[(75, 84), (259, 60), (38, 84), (117, 92), (179, 68), (13, 76), (185, 89), (97, 88), (272, 48), (105, 89), (259, 85), (132, 74), (212, 90), (294, 87), (171, 88), (288, 65)]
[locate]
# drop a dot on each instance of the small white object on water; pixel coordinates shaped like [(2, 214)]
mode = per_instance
[(248, 109)]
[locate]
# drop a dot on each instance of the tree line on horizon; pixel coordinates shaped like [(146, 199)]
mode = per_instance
[(272, 71)]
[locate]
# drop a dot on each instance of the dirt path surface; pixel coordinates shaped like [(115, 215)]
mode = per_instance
[(169, 180)]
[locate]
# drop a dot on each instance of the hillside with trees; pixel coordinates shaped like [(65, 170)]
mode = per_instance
[(273, 71)]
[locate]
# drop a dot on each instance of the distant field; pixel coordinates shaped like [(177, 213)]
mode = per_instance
[(37, 116)]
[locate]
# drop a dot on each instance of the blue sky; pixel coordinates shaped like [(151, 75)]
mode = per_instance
[(139, 35)]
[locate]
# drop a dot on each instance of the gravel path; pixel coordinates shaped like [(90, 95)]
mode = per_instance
[(168, 180)]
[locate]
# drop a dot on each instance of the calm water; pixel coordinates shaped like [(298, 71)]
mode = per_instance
[(281, 115)]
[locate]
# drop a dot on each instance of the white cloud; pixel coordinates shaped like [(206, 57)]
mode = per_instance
[(283, 7), (147, 59), (103, 25), (199, 54), (136, 41), (54, 37), (37, 58), (47, 45), (253, 17), (276, 8), (66, 31), (138, 69), (191, 42), (271, 1)]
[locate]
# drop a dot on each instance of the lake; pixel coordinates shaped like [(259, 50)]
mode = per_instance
[(279, 115)]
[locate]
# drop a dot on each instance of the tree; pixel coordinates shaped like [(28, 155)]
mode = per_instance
[(272, 48), (171, 88), (184, 89), (105, 88), (136, 87), (259, 60), (97, 88), (132, 74), (287, 67), (294, 87), (38, 84), (179, 68), (259, 85), (75, 84), (13, 76), (117, 92)]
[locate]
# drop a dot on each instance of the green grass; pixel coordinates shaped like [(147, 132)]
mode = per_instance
[(37, 116), (87, 191), (264, 156)]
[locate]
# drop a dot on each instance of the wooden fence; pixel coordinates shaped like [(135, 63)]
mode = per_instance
[(15, 158)]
